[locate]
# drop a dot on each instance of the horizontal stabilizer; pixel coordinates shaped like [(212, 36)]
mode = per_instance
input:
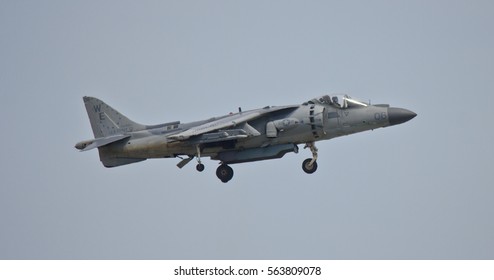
[(99, 142)]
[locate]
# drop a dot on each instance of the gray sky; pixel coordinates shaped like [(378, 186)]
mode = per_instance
[(420, 190)]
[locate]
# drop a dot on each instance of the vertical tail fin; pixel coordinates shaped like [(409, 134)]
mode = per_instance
[(106, 121)]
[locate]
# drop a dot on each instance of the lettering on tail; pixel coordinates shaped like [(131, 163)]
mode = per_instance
[(97, 109)]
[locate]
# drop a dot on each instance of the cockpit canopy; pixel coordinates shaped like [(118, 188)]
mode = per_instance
[(339, 101)]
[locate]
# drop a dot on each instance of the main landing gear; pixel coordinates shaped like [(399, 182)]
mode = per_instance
[(224, 173), (310, 165)]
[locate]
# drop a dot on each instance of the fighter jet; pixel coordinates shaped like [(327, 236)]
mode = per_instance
[(243, 136)]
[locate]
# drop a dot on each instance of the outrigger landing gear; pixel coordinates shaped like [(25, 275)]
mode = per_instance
[(310, 165), (199, 166), (224, 173)]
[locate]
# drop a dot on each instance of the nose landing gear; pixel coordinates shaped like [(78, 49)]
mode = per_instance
[(310, 165)]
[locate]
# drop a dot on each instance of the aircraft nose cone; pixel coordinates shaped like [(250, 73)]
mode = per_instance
[(399, 115)]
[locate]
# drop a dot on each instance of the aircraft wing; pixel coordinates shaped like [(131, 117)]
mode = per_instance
[(238, 119)]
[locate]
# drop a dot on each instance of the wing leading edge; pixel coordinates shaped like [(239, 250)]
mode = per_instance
[(238, 119)]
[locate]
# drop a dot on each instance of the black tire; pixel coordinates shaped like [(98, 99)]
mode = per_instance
[(200, 167), (224, 173), (309, 169)]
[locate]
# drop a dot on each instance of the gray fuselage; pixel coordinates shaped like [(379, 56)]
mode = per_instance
[(315, 122)]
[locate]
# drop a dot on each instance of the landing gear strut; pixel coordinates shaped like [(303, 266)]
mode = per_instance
[(199, 166), (310, 165), (224, 173)]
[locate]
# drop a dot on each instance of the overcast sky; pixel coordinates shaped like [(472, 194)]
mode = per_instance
[(420, 190)]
